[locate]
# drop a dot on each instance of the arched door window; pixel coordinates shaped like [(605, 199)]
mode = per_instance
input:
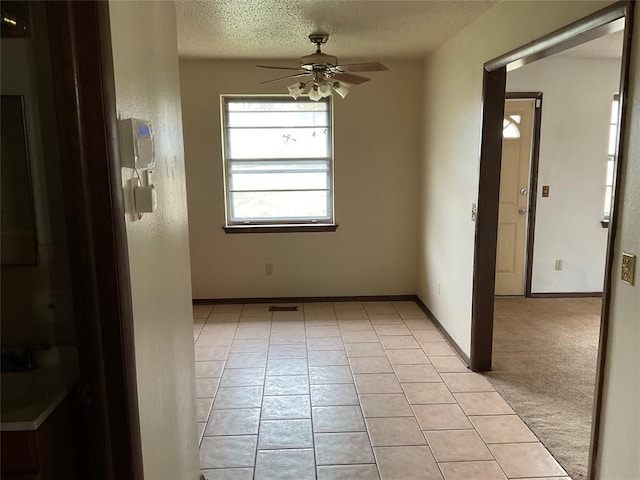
[(511, 126)]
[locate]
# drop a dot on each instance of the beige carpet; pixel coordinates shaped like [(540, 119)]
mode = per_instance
[(544, 364)]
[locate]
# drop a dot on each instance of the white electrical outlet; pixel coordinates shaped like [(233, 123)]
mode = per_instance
[(559, 264), (268, 268)]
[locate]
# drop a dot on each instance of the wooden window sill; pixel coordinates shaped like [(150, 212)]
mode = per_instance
[(292, 228)]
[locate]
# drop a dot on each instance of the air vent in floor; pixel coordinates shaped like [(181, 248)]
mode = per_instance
[(276, 308)]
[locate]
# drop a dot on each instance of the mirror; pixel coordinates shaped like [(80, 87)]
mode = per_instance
[(18, 223)]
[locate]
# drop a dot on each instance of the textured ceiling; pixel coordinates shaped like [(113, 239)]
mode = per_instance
[(359, 29)]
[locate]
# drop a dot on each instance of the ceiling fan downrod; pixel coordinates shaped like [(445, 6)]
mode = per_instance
[(319, 39)]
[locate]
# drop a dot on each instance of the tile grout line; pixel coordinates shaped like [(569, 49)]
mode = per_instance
[(375, 332), (195, 340), (433, 455), (224, 364), (411, 406), (206, 421), (438, 464), (313, 433), (264, 387)]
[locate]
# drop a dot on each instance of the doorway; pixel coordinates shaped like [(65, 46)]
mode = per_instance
[(82, 91), (606, 21), (546, 348)]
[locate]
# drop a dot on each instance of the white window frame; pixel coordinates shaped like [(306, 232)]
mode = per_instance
[(230, 221), (614, 133)]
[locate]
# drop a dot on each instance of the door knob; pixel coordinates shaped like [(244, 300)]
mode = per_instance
[(522, 211), (523, 191)]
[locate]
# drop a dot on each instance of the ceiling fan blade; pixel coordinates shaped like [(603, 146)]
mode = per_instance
[(348, 78), (362, 67), (288, 76), (273, 67)]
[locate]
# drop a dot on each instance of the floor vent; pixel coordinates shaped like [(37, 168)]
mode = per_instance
[(276, 308)]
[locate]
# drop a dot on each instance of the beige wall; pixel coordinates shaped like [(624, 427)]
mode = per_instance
[(147, 86), (373, 252), (449, 177)]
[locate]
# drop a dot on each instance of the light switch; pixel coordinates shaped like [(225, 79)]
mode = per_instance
[(628, 271), (545, 190)]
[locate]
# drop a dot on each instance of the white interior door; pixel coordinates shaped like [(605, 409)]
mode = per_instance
[(514, 197)]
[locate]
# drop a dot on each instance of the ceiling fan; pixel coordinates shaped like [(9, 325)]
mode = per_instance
[(326, 75)]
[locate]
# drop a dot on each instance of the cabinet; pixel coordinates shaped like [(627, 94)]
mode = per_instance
[(42, 454)]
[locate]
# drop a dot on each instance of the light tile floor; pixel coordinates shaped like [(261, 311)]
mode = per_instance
[(349, 391)]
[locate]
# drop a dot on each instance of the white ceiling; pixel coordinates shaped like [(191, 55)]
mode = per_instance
[(359, 29)]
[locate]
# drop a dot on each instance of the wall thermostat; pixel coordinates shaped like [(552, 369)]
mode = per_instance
[(136, 143)]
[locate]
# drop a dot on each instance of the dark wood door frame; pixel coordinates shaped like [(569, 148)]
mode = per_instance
[(533, 180), (600, 23), (82, 69)]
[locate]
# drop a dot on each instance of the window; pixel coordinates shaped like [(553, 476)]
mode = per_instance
[(278, 161), (511, 126), (613, 140)]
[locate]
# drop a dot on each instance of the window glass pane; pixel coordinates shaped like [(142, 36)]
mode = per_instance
[(609, 181), (278, 175), (261, 105), (607, 201), (511, 131), (613, 137), (274, 206), (614, 112), (278, 119), (516, 118), (253, 143)]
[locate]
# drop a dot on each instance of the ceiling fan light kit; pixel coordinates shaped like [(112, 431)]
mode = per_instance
[(318, 90), (327, 76)]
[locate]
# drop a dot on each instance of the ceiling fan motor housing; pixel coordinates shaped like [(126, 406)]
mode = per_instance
[(317, 60)]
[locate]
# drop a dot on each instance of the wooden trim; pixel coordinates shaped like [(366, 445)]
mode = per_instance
[(443, 330), (533, 196), (486, 234), (121, 340), (360, 298), (629, 13), (522, 95), (280, 228), (80, 41), (533, 181), (600, 23), (567, 295)]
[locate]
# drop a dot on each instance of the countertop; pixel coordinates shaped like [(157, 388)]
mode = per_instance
[(28, 398)]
